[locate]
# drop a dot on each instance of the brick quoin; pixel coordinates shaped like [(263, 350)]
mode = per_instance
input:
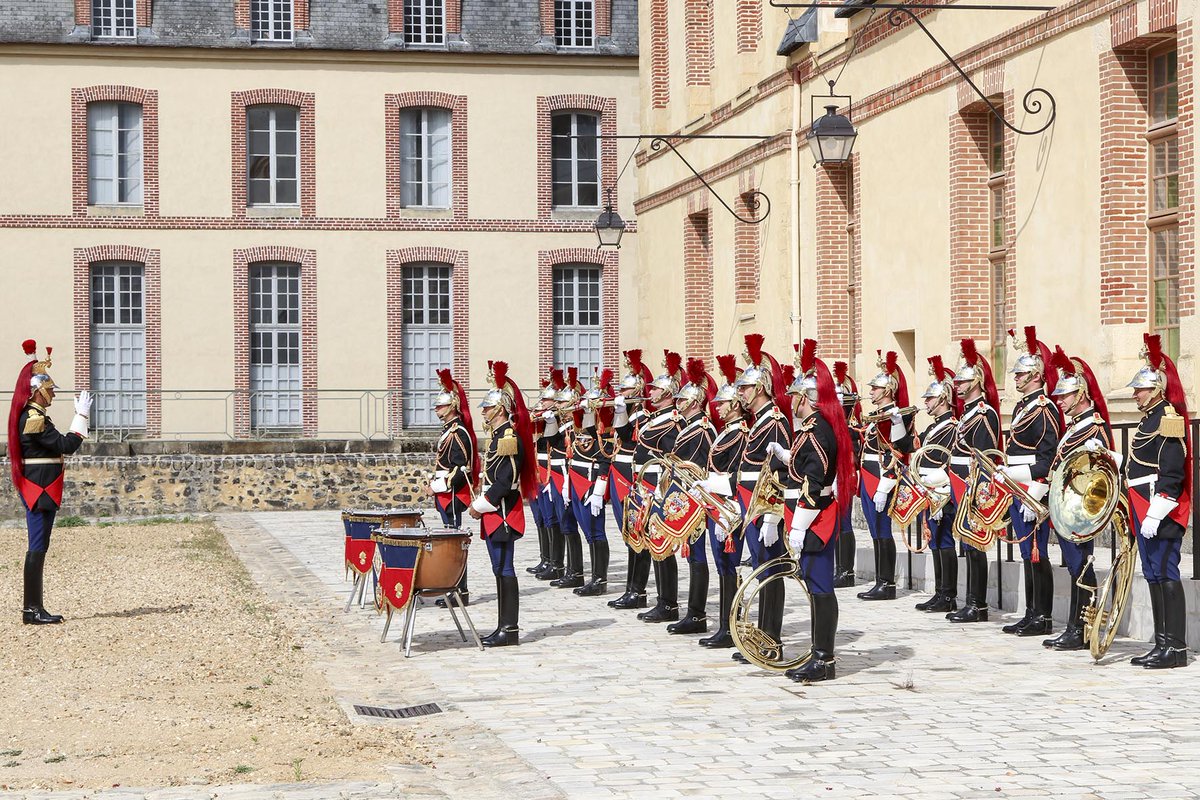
[(151, 263), (698, 326), (452, 10), (143, 9), (970, 273), (660, 55), (749, 25), (148, 100), (456, 104), (460, 319), (241, 15), (698, 39), (243, 259), (610, 306), (306, 102), (1187, 174), (747, 248), (834, 200), (606, 107)]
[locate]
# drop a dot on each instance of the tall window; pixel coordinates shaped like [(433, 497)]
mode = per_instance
[(575, 151), (271, 20), (118, 346), (428, 339), (1163, 212), (272, 154), (578, 336), (574, 22), (425, 157), (424, 22), (275, 366), (114, 153), (998, 246), (113, 19)]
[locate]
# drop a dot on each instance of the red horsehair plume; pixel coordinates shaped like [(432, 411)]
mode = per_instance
[(29, 346), (696, 374), (808, 356), (673, 362), (606, 377), (1031, 340), (1154, 351), (499, 373), (634, 358), (728, 367), (789, 373), (572, 377), (840, 370), (556, 378), (447, 381), (1062, 362), (754, 343), (937, 368), (969, 353), (49, 350), (890, 363)]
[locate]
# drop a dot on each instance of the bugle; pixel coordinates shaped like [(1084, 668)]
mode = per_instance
[(724, 509), (874, 417), (767, 497)]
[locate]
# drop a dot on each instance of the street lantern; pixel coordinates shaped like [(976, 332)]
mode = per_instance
[(609, 226), (832, 137)]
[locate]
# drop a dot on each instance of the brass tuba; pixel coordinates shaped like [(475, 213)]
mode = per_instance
[(767, 497), (1110, 599)]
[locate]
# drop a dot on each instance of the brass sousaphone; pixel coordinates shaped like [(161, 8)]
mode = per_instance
[(1085, 498)]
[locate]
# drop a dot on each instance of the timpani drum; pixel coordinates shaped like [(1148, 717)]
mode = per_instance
[(443, 557), (361, 525)]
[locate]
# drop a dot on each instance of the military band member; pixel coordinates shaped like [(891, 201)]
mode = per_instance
[(541, 516), (570, 418), (942, 406), (887, 441), (36, 450), (655, 440), (510, 479), (1032, 442), (693, 444), (591, 458), (456, 466), (1159, 474), (724, 458), (550, 498), (847, 391), (629, 414), (978, 428), (1087, 425), (819, 461)]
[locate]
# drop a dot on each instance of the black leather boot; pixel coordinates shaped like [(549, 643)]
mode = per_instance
[(666, 580), (820, 666), (1156, 608), (885, 588), (946, 598), (598, 585), (1174, 650), (34, 612), (844, 571), (1043, 600), (636, 596), (1019, 625), (721, 639), (554, 566), (573, 574), (770, 616), (878, 574), (630, 560), (507, 635), (543, 551), (1071, 637), (974, 608), (499, 613), (937, 583), (696, 620)]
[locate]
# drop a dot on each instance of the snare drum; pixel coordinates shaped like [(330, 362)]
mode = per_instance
[(443, 553), (361, 524)]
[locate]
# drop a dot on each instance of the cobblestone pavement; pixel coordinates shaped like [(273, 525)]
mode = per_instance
[(595, 704)]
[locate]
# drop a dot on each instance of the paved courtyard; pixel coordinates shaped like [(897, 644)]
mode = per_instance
[(595, 704)]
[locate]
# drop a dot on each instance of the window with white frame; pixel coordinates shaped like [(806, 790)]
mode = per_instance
[(275, 339), (428, 339), (425, 157), (575, 154), (424, 22), (118, 358), (114, 153), (114, 19), (271, 20), (574, 23), (578, 332), (273, 155)]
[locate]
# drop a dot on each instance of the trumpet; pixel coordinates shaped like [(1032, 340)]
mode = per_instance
[(880, 416), (729, 514), (993, 516), (916, 492), (767, 497)]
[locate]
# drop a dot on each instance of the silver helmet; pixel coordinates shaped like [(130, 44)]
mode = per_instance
[(1029, 358), (805, 384), (669, 381), (1069, 382), (758, 366), (500, 393), (942, 387), (886, 378)]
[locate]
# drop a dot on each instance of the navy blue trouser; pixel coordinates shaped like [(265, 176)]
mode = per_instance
[(501, 554), (39, 524)]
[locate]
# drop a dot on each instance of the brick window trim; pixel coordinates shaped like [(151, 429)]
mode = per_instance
[(307, 103), (243, 259), (151, 263), (452, 10), (698, 325), (547, 106), (143, 9), (460, 319), (699, 34), (660, 55), (81, 98), (456, 104), (603, 18), (241, 15), (834, 254), (610, 319)]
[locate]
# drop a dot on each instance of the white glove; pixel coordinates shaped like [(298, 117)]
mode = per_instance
[(880, 500), (79, 425), (438, 485), (715, 483), (768, 532), (551, 420), (802, 520), (1018, 472), (896, 419), (1160, 507), (482, 505), (720, 531), (546, 488), (1094, 445), (566, 495), (619, 403), (1150, 527), (780, 452), (83, 403), (936, 516), (1027, 514), (796, 540), (596, 499)]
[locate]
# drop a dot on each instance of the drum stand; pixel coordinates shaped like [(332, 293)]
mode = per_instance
[(359, 587), (453, 598)]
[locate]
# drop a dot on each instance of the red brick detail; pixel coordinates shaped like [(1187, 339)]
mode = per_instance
[(834, 200), (151, 263), (460, 309), (747, 252), (148, 100), (546, 11), (452, 10), (1123, 25), (307, 103), (83, 13), (610, 307), (241, 15), (660, 55), (698, 39), (970, 272), (854, 230), (603, 18), (606, 107), (145, 13), (990, 81), (749, 25), (1187, 174), (698, 328), (1162, 15), (456, 104), (243, 259)]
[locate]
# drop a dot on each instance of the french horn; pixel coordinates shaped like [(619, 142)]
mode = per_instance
[(758, 647)]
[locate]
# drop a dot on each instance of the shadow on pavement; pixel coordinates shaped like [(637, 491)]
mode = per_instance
[(142, 611), (566, 629), (859, 660)]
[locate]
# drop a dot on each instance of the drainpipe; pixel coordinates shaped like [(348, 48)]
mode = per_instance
[(794, 195)]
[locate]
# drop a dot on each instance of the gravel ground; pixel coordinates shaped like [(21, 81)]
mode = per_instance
[(172, 669)]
